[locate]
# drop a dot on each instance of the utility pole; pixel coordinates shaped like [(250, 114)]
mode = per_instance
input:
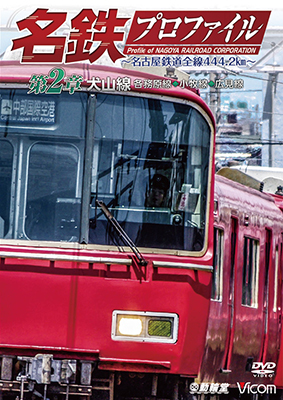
[(214, 102), (273, 79)]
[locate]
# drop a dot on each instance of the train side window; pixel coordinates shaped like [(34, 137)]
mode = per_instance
[(6, 163), (276, 279), (217, 279), (250, 272)]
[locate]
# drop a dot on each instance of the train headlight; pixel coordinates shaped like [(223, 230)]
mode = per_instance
[(130, 326), (145, 326)]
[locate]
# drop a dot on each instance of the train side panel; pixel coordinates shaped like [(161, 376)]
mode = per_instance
[(279, 371), (243, 323)]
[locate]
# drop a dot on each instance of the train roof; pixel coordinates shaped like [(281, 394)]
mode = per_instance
[(278, 199), (240, 195), (14, 72)]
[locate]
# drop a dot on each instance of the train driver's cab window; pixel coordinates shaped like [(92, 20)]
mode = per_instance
[(250, 272), (148, 159), (150, 167), (42, 142), (53, 198), (217, 279)]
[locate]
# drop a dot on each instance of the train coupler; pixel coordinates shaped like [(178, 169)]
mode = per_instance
[(45, 377)]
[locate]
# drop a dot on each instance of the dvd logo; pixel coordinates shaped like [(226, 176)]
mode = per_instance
[(261, 370), (256, 389)]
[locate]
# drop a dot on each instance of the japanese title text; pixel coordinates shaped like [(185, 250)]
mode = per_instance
[(91, 34)]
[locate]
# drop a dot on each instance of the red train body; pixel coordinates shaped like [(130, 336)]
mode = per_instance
[(68, 303), (144, 300), (246, 311)]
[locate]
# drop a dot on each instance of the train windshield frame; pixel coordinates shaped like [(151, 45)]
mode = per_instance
[(147, 157)]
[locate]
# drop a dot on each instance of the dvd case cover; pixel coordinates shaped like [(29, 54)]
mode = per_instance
[(141, 200)]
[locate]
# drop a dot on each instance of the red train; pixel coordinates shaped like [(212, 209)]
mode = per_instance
[(121, 277), (244, 329)]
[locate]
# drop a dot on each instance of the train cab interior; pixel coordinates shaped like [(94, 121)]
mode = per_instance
[(148, 139)]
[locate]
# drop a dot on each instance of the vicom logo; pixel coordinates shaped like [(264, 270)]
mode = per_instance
[(256, 389), (259, 369)]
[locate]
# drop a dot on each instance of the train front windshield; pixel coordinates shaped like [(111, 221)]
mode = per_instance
[(149, 165)]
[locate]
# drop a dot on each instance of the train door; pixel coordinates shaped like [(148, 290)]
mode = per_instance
[(265, 308), (231, 298), (280, 291), (277, 303)]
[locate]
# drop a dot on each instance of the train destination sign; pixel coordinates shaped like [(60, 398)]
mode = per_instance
[(28, 111)]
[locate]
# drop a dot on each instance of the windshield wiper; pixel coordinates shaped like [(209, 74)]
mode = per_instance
[(122, 234)]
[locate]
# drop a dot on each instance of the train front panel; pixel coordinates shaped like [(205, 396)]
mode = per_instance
[(106, 239)]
